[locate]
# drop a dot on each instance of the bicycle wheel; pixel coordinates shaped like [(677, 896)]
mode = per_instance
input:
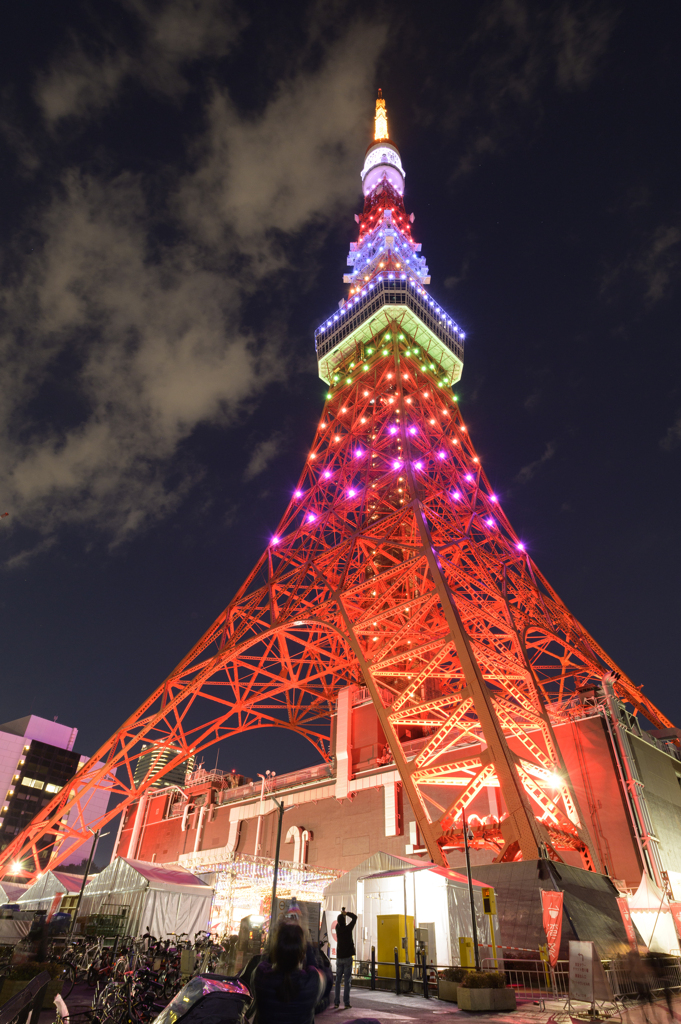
[(68, 976)]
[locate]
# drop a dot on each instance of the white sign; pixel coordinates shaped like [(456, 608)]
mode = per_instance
[(588, 982)]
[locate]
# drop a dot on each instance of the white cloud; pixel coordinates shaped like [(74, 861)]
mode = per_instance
[(525, 474), (262, 455), (154, 334)]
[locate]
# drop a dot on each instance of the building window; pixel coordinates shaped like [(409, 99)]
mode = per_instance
[(51, 788), (32, 783)]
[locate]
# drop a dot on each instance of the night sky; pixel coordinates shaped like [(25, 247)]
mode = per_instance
[(178, 184)]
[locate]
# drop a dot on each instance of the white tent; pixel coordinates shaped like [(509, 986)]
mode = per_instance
[(437, 898), (10, 892), (651, 913), (164, 899), (47, 885)]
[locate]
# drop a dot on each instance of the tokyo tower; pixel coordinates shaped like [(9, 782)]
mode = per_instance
[(393, 569)]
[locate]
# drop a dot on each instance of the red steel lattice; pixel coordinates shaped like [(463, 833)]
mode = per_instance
[(393, 568)]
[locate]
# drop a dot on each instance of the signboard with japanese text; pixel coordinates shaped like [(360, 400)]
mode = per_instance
[(588, 982), (623, 904)]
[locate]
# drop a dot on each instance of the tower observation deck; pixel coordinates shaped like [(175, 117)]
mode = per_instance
[(388, 277), (394, 572)]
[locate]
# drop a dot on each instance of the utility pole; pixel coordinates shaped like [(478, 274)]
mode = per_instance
[(280, 806), (95, 838), (470, 891)]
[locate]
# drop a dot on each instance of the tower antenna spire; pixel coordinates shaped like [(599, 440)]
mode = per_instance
[(380, 119)]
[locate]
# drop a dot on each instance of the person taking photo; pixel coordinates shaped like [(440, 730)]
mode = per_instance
[(345, 950)]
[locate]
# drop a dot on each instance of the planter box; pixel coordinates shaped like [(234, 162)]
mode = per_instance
[(447, 990), (486, 999), (10, 989)]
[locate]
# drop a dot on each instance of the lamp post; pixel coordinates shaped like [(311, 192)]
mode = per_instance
[(280, 806), (470, 890), (95, 838), (266, 778)]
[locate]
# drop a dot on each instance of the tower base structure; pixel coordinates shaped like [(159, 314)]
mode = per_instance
[(590, 909)]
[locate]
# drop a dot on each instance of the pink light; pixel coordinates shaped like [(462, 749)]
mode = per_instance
[(311, 517), (352, 492), (468, 477), (327, 474), (456, 496), (393, 430), (359, 453), (520, 546), (418, 465), (493, 497), (440, 455), (396, 465), (490, 522), (298, 494), (412, 430), (275, 540)]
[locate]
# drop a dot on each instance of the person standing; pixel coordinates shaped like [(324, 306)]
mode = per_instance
[(345, 950)]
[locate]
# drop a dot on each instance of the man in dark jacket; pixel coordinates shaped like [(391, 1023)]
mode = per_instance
[(345, 950)]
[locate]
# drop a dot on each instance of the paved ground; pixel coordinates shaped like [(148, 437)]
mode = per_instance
[(387, 1008)]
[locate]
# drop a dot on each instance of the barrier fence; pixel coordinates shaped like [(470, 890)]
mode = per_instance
[(531, 979)]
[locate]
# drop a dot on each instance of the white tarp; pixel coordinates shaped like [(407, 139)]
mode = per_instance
[(651, 913), (46, 886), (437, 899), (166, 899)]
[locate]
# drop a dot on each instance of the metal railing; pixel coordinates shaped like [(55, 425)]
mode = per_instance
[(29, 1000)]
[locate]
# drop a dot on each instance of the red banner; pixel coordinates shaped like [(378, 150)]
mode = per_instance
[(676, 914), (54, 907), (623, 904), (552, 907)]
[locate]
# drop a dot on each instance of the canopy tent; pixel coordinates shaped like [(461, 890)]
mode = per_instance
[(165, 900), (651, 913), (10, 892), (436, 898), (40, 895)]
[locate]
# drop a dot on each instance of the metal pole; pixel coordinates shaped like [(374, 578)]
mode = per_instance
[(397, 973), (280, 805), (424, 961), (82, 888), (373, 967), (470, 893)]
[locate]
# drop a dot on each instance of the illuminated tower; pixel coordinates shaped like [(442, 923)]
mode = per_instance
[(394, 570)]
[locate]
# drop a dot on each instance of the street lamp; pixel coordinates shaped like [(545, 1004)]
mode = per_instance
[(467, 837)]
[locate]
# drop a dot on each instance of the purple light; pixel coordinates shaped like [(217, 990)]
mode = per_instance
[(327, 473), (275, 540), (456, 496), (493, 497), (297, 494), (520, 546), (418, 465), (311, 517), (468, 477), (440, 455), (490, 522), (396, 465), (412, 430), (352, 492), (359, 453), (393, 430)]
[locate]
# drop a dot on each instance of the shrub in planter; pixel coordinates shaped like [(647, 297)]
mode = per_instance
[(485, 990), (448, 982)]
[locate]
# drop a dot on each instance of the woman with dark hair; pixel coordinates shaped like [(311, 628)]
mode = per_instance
[(286, 990)]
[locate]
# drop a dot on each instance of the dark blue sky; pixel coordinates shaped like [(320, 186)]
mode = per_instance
[(178, 181)]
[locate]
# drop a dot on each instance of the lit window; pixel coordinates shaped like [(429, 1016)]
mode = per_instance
[(32, 783), (51, 788)]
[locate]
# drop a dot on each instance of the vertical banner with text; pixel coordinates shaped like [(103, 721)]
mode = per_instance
[(552, 909), (623, 904)]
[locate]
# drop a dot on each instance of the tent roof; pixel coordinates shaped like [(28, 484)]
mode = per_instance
[(648, 896), (71, 883), (12, 890), (171, 878), (453, 876)]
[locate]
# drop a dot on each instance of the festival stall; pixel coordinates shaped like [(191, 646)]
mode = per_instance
[(414, 895), (48, 885), (651, 913), (130, 896)]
